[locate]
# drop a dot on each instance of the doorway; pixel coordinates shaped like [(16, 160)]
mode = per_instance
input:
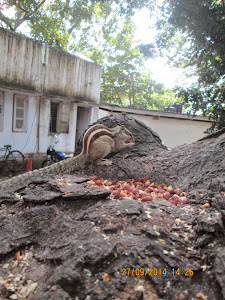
[(83, 120)]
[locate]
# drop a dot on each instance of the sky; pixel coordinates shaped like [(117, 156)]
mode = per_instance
[(160, 69)]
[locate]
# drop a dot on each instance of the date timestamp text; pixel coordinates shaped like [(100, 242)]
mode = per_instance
[(157, 272)]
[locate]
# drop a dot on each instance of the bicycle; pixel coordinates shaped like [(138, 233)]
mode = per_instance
[(13, 160)]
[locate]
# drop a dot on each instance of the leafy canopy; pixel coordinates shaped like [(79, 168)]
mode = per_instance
[(192, 34)]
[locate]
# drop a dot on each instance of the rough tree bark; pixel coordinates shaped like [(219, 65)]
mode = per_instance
[(62, 239)]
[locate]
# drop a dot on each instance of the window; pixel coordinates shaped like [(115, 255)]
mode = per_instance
[(59, 117), (20, 113)]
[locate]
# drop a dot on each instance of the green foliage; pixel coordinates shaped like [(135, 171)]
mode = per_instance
[(194, 33), (124, 79), (209, 100), (25, 10), (148, 50), (50, 29)]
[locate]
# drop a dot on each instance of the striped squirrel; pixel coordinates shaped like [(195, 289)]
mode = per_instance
[(98, 141)]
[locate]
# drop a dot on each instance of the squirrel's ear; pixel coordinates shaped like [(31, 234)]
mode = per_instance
[(122, 127)]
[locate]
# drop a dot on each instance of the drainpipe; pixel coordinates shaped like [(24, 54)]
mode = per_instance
[(41, 90)]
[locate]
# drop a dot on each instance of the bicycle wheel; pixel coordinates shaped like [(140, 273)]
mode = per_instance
[(15, 161)]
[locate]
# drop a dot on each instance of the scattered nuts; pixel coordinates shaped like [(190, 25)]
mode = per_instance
[(206, 205), (140, 189), (200, 296)]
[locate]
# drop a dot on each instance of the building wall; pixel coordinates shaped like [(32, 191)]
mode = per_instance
[(29, 65), (37, 138), (23, 141), (66, 140), (44, 74), (173, 129)]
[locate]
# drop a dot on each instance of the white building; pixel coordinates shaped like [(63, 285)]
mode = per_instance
[(44, 91)]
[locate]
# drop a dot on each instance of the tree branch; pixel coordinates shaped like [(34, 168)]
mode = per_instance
[(71, 29), (6, 20), (118, 96), (28, 14)]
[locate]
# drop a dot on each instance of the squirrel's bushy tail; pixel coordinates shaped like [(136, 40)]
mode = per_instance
[(63, 167)]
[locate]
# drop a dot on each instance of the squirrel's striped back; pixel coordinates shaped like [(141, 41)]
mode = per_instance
[(93, 133)]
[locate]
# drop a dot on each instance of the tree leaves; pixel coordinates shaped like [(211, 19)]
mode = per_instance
[(195, 30)]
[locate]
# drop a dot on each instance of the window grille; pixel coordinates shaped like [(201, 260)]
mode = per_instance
[(54, 116)]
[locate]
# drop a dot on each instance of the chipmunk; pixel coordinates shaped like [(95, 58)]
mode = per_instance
[(98, 141)]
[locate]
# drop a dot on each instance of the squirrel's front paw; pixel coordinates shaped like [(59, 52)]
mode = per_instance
[(129, 145), (105, 162)]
